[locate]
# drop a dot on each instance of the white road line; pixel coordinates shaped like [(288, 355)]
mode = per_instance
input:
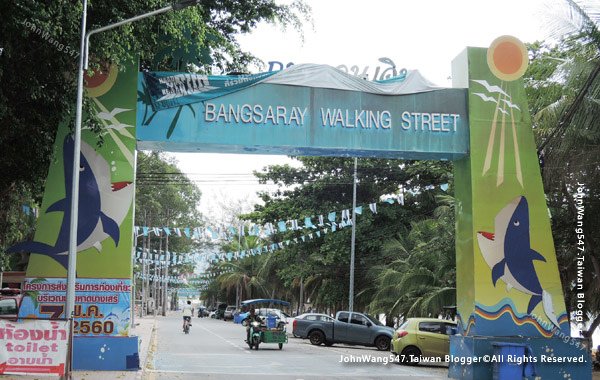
[(319, 375), (226, 340)]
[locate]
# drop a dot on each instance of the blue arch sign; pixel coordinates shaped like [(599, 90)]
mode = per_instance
[(276, 115)]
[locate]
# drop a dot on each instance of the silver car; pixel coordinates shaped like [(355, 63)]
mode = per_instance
[(228, 314)]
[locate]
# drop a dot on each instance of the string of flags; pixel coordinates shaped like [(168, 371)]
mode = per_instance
[(162, 279), (159, 257), (223, 232)]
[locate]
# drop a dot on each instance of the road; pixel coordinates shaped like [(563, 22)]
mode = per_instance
[(215, 349)]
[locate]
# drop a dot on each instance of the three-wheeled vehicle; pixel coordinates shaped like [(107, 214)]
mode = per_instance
[(270, 330)]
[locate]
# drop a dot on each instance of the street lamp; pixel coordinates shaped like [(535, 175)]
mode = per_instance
[(83, 64)]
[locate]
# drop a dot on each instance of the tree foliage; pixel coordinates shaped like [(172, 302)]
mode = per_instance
[(322, 264), (39, 48), (564, 90)]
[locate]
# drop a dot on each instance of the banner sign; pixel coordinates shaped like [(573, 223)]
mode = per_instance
[(169, 90), (33, 347), (102, 306), (281, 115)]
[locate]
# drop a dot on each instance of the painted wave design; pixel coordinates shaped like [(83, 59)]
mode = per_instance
[(506, 307)]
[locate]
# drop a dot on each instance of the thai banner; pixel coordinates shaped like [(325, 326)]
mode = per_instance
[(102, 306), (169, 90), (33, 347)]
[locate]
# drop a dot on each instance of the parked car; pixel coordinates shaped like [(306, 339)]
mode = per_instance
[(10, 301), (219, 311), (422, 337), (347, 327), (298, 328), (203, 312), (228, 313)]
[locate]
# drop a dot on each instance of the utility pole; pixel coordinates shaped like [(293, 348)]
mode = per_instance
[(166, 276), (351, 295), (301, 303), (144, 288), (157, 277), (237, 288)]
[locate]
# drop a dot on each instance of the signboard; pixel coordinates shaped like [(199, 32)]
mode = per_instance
[(33, 347), (281, 115), (167, 89), (102, 306)]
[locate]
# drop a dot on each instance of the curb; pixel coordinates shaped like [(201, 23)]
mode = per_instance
[(147, 367)]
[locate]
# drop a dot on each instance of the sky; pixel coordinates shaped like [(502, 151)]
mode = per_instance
[(422, 35)]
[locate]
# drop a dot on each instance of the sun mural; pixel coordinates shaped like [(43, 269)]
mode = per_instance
[(507, 59), (101, 82)]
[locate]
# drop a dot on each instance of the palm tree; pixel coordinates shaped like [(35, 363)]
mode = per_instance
[(569, 140), (243, 274), (423, 280)]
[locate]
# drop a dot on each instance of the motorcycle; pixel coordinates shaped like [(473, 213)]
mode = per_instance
[(186, 326), (255, 335)]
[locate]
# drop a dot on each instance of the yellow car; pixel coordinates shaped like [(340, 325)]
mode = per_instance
[(422, 340)]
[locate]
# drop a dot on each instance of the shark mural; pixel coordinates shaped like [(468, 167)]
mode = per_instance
[(508, 253), (102, 206)]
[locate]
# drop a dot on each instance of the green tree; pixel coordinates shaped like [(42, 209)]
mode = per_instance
[(325, 184), (565, 107), (422, 280), (38, 34), (165, 198)]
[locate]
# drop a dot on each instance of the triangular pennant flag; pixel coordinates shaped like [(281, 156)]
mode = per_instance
[(373, 207), (358, 210), (269, 229), (308, 223), (145, 229), (401, 199), (167, 230), (321, 221), (345, 214), (389, 200), (186, 231), (281, 226), (331, 216)]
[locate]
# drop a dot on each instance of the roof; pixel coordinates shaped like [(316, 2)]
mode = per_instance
[(265, 300), (324, 76)]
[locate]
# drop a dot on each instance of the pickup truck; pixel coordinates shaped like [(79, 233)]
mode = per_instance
[(347, 327)]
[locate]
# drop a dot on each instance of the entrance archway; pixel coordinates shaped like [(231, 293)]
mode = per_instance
[(507, 275)]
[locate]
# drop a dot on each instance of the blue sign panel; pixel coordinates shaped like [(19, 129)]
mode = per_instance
[(269, 118)]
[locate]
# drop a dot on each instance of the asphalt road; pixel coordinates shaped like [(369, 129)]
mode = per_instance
[(216, 350)]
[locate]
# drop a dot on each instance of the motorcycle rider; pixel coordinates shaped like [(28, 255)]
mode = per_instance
[(252, 317), (188, 311)]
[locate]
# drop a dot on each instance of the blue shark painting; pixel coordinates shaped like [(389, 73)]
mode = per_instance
[(509, 255), (94, 224)]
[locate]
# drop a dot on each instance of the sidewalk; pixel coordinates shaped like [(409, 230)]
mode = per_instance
[(144, 328)]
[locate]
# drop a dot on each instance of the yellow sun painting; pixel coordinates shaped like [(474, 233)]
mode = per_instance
[(507, 58), (101, 82)]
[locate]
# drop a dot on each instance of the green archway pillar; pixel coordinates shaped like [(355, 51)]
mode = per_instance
[(508, 283)]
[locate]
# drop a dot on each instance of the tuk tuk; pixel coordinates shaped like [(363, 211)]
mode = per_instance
[(270, 330)]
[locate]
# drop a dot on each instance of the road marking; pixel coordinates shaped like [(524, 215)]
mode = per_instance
[(226, 340), (352, 375)]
